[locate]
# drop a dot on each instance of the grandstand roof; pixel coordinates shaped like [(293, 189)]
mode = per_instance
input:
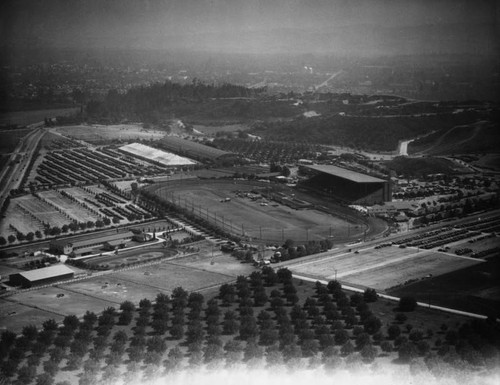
[(353, 176), (46, 272), (191, 148), (163, 157)]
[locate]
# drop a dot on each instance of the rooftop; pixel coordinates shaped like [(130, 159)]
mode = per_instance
[(46, 272), (163, 157), (353, 176)]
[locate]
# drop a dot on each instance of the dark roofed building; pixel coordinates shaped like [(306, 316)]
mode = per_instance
[(41, 276), (344, 173), (347, 185), (192, 149), (65, 246)]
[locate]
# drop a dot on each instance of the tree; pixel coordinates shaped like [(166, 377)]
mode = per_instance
[(393, 332), (51, 367), (195, 332), (179, 297), (234, 352), (252, 351), (372, 324), (370, 295), (174, 360), (386, 346), (50, 325), (407, 304), (71, 322), (44, 379), (416, 335), (230, 324), (260, 296), (11, 238), (362, 340), (30, 332), (248, 327), (177, 331), (309, 347), (9, 367), (284, 275), (423, 347), (213, 352), (347, 349), (341, 337), (127, 306), (3, 241), (156, 344), (26, 374), (407, 352), (74, 362)]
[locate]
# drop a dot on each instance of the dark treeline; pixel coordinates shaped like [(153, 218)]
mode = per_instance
[(146, 101), (374, 133)]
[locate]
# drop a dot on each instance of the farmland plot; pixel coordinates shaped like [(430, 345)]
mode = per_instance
[(73, 209), (383, 268), (42, 211), (100, 134)]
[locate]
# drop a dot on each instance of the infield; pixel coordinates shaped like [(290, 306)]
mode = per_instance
[(256, 217)]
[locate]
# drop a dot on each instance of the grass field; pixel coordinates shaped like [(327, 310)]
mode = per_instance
[(98, 133), (192, 272), (257, 219), (15, 315), (475, 288), (382, 268), (212, 130)]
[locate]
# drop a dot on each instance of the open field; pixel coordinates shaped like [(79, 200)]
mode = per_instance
[(212, 130), (58, 208), (97, 293), (99, 133), (475, 288), (15, 315), (259, 219), (76, 211), (382, 268)]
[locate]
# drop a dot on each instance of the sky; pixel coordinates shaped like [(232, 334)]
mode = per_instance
[(267, 26)]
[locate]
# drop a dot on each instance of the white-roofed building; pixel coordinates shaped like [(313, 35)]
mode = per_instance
[(41, 276)]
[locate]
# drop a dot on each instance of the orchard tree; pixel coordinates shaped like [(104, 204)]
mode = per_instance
[(407, 352)]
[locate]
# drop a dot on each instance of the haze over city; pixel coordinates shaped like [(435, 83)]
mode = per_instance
[(249, 191), (359, 27)]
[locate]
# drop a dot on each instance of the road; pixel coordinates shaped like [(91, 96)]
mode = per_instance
[(12, 176), (403, 147), (325, 83)]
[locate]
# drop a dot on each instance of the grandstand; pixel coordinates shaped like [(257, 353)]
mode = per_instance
[(346, 185), (192, 149)]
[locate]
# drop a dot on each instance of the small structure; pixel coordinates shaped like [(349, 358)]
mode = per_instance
[(64, 246), (41, 276)]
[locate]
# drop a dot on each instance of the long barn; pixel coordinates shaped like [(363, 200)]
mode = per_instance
[(347, 185), (41, 276)]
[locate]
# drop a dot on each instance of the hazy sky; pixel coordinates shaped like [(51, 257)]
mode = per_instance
[(235, 25)]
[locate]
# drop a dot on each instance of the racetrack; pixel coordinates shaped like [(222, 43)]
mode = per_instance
[(259, 219)]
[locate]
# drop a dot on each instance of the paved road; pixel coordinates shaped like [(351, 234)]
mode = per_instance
[(12, 176)]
